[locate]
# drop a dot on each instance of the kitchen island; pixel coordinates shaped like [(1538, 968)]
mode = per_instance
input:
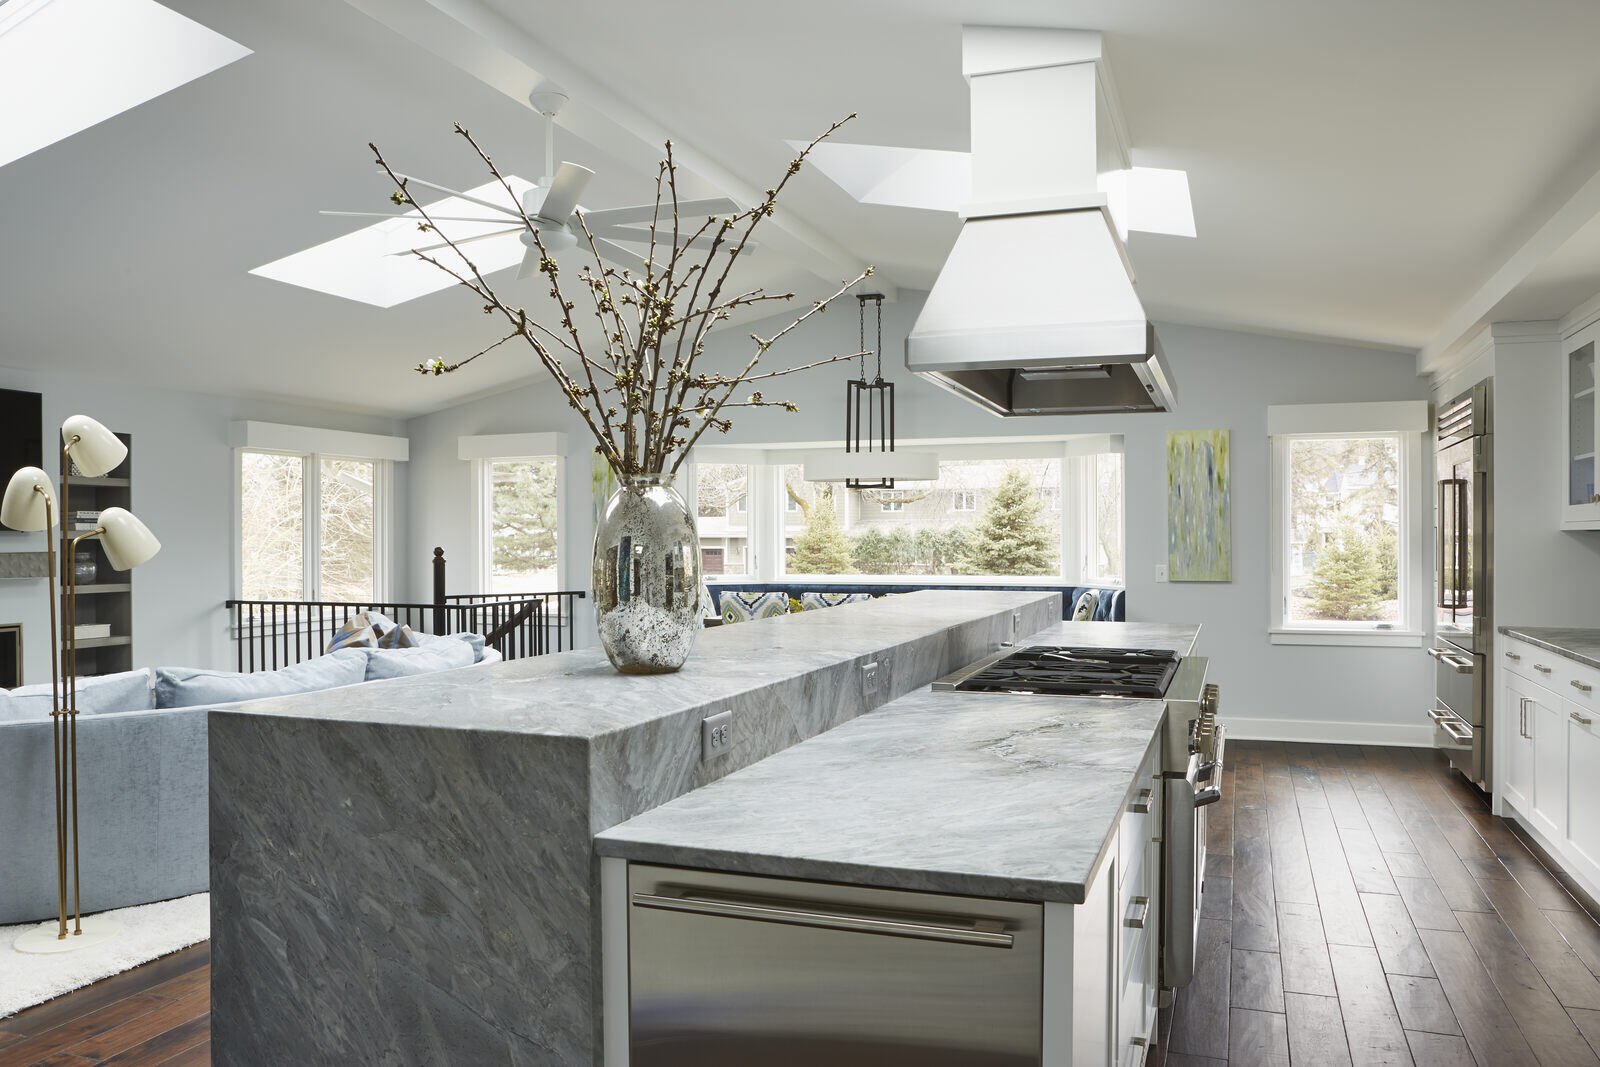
[(990, 799), (403, 871)]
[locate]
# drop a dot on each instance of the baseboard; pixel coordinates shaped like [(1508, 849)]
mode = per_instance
[(1328, 732)]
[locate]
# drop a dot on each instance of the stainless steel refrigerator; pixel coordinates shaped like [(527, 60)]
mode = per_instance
[(1463, 707)]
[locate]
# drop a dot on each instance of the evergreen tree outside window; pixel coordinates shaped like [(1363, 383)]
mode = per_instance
[(523, 526)]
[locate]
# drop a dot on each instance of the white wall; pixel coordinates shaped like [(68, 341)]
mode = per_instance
[(182, 489), (1223, 380)]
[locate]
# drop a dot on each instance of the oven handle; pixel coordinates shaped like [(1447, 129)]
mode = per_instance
[(1210, 772), (1460, 664), (985, 932), (1458, 731)]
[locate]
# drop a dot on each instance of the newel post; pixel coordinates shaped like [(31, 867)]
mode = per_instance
[(439, 627)]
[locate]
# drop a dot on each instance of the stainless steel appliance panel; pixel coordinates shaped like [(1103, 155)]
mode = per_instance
[(1184, 859), (729, 970)]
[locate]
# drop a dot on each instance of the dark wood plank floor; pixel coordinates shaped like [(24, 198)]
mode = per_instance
[(1362, 907)]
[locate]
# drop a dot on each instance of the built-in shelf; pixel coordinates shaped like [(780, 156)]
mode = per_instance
[(1583, 393), (101, 483), (1582, 456), (105, 587), (103, 642)]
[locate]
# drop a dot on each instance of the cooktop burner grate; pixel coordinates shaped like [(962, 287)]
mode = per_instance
[(1121, 672)]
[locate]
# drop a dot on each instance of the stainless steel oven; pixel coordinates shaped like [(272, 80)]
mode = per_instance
[(1193, 779), (1464, 544)]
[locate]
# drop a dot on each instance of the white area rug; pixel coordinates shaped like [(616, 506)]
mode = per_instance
[(148, 931)]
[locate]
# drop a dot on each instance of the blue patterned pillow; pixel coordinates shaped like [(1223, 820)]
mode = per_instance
[(811, 601), (358, 631), (742, 607)]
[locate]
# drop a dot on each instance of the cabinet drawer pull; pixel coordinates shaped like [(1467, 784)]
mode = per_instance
[(1582, 687), (1541, 668), (1513, 655), (1141, 803), (1138, 911), (1581, 720)]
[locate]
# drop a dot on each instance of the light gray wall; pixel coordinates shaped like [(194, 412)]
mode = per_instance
[(1223, 379), (183, 490)]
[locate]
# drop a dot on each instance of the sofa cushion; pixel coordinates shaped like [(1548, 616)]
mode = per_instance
[(402, 662), (742, 607), (127, 691), (471, 640), (189, 687)]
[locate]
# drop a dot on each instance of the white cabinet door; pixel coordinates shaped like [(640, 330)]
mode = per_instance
[(1547, 721), (1515, 754), (1580, 508), (1583, 785)]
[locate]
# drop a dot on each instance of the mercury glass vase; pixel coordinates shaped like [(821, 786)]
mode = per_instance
[(647, 577)]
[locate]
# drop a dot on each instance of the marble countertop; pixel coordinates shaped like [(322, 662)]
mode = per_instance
[(1580, 645), (579, 694), (1013, 797)]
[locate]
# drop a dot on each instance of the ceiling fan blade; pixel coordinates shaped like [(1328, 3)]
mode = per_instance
[(638, 236), (616, 253), (468, 197), (463, 241), (530, 264), (412, 217), (565, 189), (614, 216)]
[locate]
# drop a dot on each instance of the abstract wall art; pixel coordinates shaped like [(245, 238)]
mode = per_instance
[(1199, 507)]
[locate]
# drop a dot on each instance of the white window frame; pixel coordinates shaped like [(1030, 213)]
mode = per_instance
[(481, 554), (1082, 516), (964, 501), (311, 519), (1405, 420)]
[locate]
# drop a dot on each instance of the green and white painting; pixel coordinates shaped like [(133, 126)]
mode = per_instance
[(1199, 507)]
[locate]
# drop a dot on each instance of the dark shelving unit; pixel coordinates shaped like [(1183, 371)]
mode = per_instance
[(108, 599)]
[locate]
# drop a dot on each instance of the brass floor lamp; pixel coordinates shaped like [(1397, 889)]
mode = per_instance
[(30, 504)]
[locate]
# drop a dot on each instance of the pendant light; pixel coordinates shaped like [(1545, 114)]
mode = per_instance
[(869, 459)]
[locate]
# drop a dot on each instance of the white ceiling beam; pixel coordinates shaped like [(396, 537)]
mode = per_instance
[(499, 53), (1462, 325)]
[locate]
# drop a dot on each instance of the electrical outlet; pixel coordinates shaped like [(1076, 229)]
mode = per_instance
[(869, 680), (1161, 572), (716, 735)]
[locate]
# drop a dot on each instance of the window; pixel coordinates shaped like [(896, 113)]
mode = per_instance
[(1347, 535), (1101, 511), (309, 526), (521, 524), (722, 516), (922, 530)]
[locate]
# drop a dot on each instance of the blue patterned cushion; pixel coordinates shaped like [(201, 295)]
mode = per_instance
[(399, 637), (811, 601), (742, 607), (358, 631)]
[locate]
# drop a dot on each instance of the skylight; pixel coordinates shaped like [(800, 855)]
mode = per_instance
[(67, 65), (1147, 199), (361, 265)]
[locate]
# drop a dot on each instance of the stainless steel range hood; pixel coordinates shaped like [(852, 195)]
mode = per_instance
[(1034, 312)]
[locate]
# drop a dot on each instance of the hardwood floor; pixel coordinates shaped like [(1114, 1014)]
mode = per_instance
[(159, 1013), (1362, 907)]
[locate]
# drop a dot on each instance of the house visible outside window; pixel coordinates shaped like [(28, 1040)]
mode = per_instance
[(1347, 535), (964, 500), (891, 500), (521, 524), (722, 516), (310, 526)]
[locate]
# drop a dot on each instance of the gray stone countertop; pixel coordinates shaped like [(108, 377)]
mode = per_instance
[(579, 694), (1577, 644), (1012, 797)]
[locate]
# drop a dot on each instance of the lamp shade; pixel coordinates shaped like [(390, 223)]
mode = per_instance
[(95, 450), (128, 542), (24, 505)]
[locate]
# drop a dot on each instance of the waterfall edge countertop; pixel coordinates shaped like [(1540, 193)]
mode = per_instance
[(978, 794), (1580, 645)]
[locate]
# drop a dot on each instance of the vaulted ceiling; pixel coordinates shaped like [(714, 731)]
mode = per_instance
[(1361, 170)]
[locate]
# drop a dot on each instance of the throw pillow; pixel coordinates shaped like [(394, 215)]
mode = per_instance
[(128, 691), (811, 601), (1085, 606), (742, 607), (357, 632), (190, 687), (399, 637)]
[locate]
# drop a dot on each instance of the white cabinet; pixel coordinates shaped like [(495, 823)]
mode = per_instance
[(1547, 768), (1581, 507)]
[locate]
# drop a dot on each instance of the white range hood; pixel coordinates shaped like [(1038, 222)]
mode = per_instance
[(1034, 312)]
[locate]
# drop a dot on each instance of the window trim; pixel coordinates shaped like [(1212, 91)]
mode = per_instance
[(311, 518), (480, 558), (1315, 422)]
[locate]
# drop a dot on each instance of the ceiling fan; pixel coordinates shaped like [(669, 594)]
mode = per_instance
[(553, 207)]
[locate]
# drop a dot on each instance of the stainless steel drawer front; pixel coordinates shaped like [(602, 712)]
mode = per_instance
[(741, 970)]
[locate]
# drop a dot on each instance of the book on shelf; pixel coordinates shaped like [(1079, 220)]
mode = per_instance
[(88, 631)]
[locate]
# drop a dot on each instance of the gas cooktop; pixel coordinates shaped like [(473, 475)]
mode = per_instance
[(1065, 671)]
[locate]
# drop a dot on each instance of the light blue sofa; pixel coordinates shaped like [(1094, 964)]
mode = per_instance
[(142, 782)]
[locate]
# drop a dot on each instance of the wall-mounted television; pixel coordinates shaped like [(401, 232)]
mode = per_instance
[(21, 432)]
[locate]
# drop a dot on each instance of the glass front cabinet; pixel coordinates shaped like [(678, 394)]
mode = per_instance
[(1581, 508)]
